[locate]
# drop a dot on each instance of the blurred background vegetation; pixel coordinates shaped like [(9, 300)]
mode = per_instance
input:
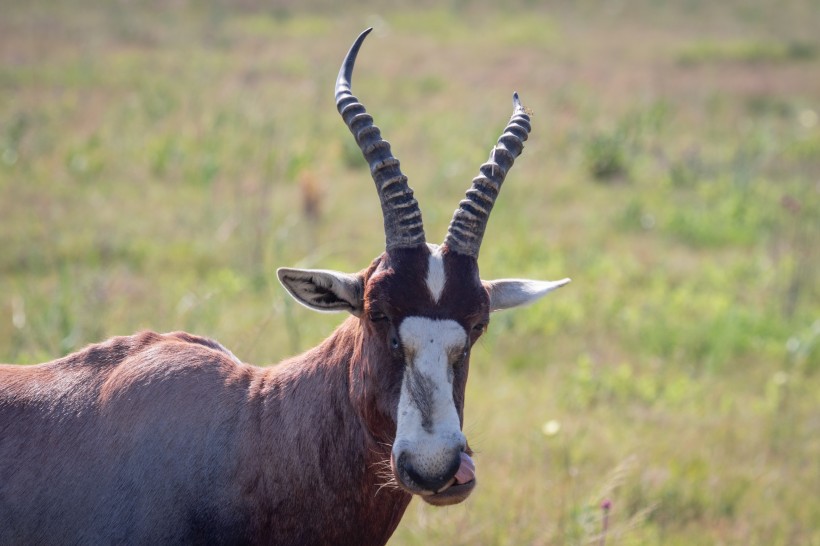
[(158, 161)]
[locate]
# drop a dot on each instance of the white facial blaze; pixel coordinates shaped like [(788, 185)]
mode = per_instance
[(435, 272), (428, 426)]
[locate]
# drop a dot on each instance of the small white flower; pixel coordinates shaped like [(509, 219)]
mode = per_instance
[(551, 427), (808, 118)]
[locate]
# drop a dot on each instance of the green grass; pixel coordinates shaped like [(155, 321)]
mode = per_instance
[(747, 52), (158, 163)]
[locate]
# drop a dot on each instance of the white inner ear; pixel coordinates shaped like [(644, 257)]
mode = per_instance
[(323, 290), (508, 293)]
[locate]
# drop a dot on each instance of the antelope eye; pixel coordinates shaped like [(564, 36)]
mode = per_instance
[(394, 342), (480, 327), (376, 316)]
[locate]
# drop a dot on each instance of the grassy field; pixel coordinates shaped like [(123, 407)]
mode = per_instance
[(159, 160)]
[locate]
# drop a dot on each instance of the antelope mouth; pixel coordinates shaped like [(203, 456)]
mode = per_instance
[(452, 494), (456, 490)]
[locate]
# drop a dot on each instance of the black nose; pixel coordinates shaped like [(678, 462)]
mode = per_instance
[(423, 477)]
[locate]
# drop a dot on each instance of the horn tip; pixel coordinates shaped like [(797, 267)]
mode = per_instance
[(517, 106), (343, 80)]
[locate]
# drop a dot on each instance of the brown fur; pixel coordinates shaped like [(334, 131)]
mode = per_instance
[(166, 439), (169, 439)]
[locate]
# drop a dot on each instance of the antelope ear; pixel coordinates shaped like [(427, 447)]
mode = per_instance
[(507, 293), (324, 290)]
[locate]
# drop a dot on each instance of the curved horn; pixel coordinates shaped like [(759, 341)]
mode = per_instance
[(470, 219), (402, 217)]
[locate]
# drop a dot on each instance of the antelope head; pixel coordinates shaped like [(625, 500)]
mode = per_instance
[(420, 308)]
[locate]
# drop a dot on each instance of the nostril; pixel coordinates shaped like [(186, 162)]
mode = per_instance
[(428, 477)]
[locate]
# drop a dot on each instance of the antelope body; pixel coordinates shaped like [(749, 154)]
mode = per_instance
[(170, 439)]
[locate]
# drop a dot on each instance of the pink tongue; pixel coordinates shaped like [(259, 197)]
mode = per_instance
[(466, 471)]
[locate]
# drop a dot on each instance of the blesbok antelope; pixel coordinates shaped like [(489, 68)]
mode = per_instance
[(159, 439)]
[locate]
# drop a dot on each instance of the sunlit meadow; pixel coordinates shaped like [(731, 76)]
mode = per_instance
[(158, 161)]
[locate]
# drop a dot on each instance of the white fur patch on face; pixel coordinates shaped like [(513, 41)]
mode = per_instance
[(435, 272), (428, 426)]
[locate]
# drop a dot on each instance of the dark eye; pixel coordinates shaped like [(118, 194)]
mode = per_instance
[(480, 328), (376, 316), (394, 342)]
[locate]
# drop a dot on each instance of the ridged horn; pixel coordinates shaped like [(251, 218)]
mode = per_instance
[(470, 219), (403, 226)]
